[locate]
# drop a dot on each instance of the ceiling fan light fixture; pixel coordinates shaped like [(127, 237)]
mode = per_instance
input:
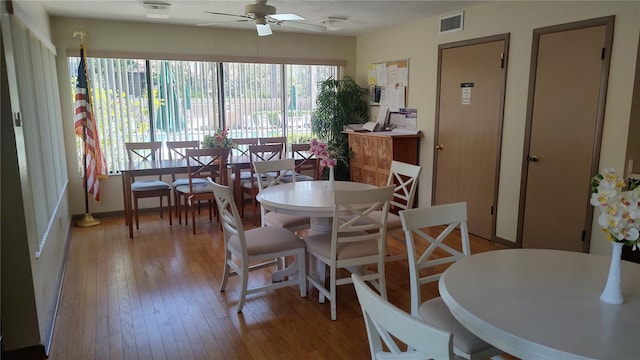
[(333, 23), (157, 9), (259, 9)]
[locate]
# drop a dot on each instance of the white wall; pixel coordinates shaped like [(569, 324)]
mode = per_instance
[(419, 42), (158, 39)]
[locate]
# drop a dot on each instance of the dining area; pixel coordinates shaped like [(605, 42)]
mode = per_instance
[(251, 248), (320, 251), (175, 171)]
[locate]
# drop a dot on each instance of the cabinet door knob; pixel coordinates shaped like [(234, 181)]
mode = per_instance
[(533, 158), (439, 147)]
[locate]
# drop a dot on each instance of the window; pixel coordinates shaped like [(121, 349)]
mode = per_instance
[(190, 99)]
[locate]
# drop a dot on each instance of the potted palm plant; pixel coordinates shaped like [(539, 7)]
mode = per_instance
[(339, 102)]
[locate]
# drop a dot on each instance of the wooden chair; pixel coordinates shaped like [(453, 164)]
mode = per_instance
[(147, 151), (244, 248), (307, 165), (425, 268), (176, 151), (250, 186), (203, 164), (353, 243), (385, 322), (242, 146), (274, 140), (273, 173)]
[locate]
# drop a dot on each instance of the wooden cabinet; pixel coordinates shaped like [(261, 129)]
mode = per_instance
[(373, 153)]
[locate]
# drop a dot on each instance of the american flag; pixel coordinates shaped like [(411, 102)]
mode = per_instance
[(96, 166)]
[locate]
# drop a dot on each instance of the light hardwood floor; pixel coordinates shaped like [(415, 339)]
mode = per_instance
[(157, 297)]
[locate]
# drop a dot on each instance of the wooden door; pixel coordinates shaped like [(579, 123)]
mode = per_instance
[(471, 85), (566, 106)]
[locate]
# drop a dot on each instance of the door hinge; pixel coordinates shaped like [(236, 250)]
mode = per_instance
[(583, 235), (491, 209), (603, 54), (17, 119), (502, 61)]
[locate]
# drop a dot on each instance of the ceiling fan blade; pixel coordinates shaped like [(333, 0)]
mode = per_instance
[(263, 30), (225, 14), (224, 22), (287, 17), (306, 26)]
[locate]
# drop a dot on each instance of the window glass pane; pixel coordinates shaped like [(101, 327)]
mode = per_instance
[(120, 105), (302, 83), (185, 99), (253, 99), (191, 99)]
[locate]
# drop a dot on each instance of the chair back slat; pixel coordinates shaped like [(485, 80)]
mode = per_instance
[(229, 214), (274, 172), (242, 146), (205, 163), (306, 162), (177, 149), (405, 177), (419, 226), (385, 322), (281, 140), (143, 151), (353, 220)]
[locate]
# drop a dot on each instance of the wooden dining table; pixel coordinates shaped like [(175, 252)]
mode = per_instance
[(545, 304)]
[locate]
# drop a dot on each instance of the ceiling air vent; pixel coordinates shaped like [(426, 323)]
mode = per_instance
[(451, 23)]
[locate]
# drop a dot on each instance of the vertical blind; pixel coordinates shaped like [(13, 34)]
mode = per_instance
[(138, 100)]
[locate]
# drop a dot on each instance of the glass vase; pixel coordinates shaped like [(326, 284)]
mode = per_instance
[(612, 293)]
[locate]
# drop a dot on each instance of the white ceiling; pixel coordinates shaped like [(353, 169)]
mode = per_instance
[(362, 15)]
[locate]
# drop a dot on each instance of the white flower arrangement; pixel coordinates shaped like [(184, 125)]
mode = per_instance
[(619, 210)]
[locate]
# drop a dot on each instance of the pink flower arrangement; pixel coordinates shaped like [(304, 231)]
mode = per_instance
[(324, 153)]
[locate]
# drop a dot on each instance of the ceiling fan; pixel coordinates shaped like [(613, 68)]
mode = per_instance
[(262, 15)]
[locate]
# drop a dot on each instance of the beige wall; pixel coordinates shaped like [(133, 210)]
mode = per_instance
[(159, 40), (418, 41)]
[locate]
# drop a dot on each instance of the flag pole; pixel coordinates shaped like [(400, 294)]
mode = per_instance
[(87, 220)]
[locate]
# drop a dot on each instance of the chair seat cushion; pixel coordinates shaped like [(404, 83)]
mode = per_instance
[(182, 182), (284, 220), (244, 175), (197, 188), (436, 312), (321, 244), (146, 185), (267, 239), (393, 220)]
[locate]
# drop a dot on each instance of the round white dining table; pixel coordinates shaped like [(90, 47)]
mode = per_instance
[(545, 304), (307, 198)]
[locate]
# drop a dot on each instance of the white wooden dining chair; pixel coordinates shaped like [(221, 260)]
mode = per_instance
[(255, 249), (250, 186), (405, 179), (356, 241), (385, 322), (425, 267), (273, 173)]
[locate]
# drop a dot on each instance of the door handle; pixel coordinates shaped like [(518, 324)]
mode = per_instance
[(533, 158), (439, 147)]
